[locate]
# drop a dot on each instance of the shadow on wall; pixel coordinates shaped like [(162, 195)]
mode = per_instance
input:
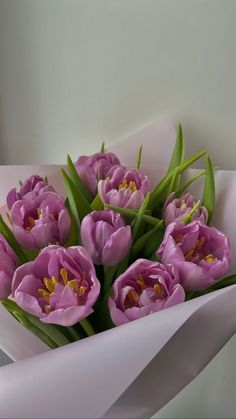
[(2, 135), (4, 359)]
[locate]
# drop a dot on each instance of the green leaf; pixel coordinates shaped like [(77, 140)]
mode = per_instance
[(103, 319), (22, 319), (10, 238), (178, 152), (78, 204), (144, 240), (48, 329), (122, 266), (109, 273), (139, 216), (185, 186), (77, 180), (222, 283), (33, 323), (131, 214), (149, 252), (102, 149), (208, 198), (159, 192), (72, 201), (28, 325), (139, 157), (74, 335), (174, 183), (97, 204)]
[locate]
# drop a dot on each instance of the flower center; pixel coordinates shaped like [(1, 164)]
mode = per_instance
[(128, 185), (210, 258), (31, 220), (50, 285), (194, 254), (132, 298)]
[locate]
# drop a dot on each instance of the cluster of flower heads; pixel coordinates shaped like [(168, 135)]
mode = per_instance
[(61, 285), (38, 215)]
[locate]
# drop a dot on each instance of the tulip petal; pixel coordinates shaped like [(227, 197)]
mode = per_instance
[(117, 247)]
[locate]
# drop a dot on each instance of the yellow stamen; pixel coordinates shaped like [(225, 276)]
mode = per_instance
[(179, 238), (196, 249), (44, 293), (47, 308), (64, 274), (31, 222), (210, 258), (189, 255), (50, 283), (74, 285), (123, 184), (131, 299), (39, 212), (141, 282), (81, 290), (157, 289), (199, 244), (131, 185)]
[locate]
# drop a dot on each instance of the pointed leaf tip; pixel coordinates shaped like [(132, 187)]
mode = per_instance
[(139, 157), (208, 198)]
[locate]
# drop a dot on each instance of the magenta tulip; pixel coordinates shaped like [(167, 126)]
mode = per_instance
[(42, 221), (94, 168), (124, 188), (106, 237), (8, 264), (60, 286), (145, 287), (175, 209), (32, 187), (201, 253)]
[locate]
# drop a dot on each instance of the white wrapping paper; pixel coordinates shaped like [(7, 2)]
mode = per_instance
[(133, 370)]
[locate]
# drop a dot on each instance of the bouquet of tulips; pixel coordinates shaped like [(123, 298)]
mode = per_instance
[(116, 248)]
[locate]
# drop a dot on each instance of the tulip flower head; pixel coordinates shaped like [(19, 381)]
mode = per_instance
[(200, 253), (106, 237), (60, 286), (145, 287), (32, 187), (42, 221), (175, 209), (125, 188), (8, 264), (93, 168)]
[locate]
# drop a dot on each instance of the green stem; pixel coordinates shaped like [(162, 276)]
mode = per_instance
[(108, 277), (87, 327), (73, 333), (188, 218)]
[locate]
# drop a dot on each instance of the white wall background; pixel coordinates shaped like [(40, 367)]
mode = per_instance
[(76, 72)]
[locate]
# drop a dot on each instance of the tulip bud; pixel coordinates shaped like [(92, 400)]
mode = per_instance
[(106, 237), (176, 209)]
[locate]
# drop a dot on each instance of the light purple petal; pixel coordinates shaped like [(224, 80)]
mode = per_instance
[(117, 247)]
